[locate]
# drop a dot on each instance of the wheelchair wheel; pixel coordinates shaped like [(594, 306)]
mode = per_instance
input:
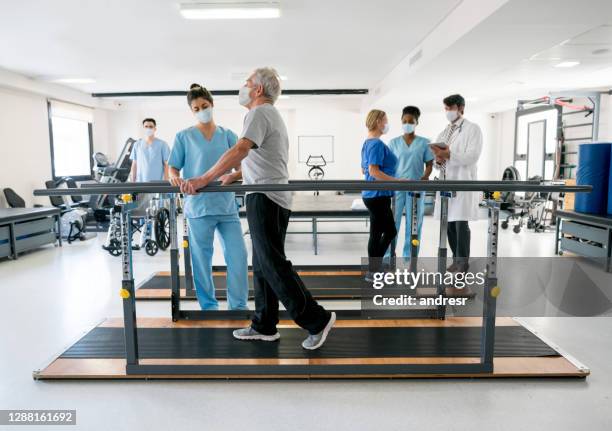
[(504, 224), (516, 229), (114, 247), (162, 228), (151, 248)]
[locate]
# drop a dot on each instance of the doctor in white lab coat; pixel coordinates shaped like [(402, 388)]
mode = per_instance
[(459, 159)]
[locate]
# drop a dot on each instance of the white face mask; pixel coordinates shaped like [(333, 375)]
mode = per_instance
[(385, 129), (205, 115), (452, 115), (244, 97), (408, 128), (148, 132)]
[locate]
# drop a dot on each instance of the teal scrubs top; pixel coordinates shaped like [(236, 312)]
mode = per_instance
[(150, 159), (195, 155), (411, 158)]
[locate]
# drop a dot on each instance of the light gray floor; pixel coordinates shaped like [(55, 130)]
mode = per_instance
[(48, 297)]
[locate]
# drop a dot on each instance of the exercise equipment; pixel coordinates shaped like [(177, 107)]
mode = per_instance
[(323, 281), (72, 220), (316, 172), (111, 173), (586, 235), (273, 360), (594, 170), (528, 208), (610, 185), (324, 208)]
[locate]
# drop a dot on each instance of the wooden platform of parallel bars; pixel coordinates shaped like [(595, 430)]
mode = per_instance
[(552, 364)]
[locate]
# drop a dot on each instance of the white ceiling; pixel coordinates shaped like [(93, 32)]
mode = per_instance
[(511, 55), (145, 45), (504, 54)]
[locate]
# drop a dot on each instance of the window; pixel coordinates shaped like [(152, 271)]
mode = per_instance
[(70, 134)]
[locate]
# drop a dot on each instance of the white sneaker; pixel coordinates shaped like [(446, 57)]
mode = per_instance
[(249, 333), (313, 342)]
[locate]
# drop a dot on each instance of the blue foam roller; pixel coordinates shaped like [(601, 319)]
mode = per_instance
[(593, 170), (610, 185)]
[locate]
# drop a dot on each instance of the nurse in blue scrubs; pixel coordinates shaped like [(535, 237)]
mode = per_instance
[(149, 156), (415, 162), (195, 151)]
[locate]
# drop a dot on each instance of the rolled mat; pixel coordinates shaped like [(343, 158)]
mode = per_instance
[(610, 184), (593, 170)]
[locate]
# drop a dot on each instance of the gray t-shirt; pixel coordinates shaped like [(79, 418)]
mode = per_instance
[(267, 161)]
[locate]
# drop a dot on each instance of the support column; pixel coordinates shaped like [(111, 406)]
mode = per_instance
[(491, 290), (127, 286), (315, 236), (175, 298), (442, 251), (189, 290), (414, 231)]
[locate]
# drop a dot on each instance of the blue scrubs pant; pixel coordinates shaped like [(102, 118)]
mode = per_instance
[(403, 202), (201, 237)]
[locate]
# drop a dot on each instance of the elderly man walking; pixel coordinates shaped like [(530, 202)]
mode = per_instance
[(263, 153)]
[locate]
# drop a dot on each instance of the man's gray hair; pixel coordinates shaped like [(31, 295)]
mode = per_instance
[(268, 78)]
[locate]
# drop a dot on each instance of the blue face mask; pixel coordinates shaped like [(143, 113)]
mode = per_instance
[(408, 128), (204, 116)]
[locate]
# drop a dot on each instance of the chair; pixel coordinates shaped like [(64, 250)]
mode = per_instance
[(13, 199), (57, 201)]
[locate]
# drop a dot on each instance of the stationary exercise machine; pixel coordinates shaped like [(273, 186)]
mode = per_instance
[(316, 172)]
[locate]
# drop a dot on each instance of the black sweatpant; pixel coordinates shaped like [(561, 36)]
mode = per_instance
[(273, 275), (459, 237), (382, 227)]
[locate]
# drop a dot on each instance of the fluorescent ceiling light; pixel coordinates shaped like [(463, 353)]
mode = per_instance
[(283, 96), (73, 80), (566, 64), (283, 77), (228, 10)]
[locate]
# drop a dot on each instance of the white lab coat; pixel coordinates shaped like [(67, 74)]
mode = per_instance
[(465, 151)]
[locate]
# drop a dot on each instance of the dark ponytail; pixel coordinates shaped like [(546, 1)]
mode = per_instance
[(196, 91)]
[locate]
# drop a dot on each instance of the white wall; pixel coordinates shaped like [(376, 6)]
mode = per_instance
[(309, 116), (339, 117), (432, 123), (24, 135), (24, 144), (25, 157), (605, 119)]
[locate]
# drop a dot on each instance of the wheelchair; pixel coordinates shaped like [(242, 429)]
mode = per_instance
[(151, 219)]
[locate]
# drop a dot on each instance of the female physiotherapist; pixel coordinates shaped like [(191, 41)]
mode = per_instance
[(415, 162), (195, 151), (378, 163)]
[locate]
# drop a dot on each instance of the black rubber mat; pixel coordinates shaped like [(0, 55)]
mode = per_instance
[(328, 285), (177, 343)]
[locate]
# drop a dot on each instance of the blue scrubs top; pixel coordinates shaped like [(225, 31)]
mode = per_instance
[(150, 159), (375, 152), (411, 158), (195, 155)]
